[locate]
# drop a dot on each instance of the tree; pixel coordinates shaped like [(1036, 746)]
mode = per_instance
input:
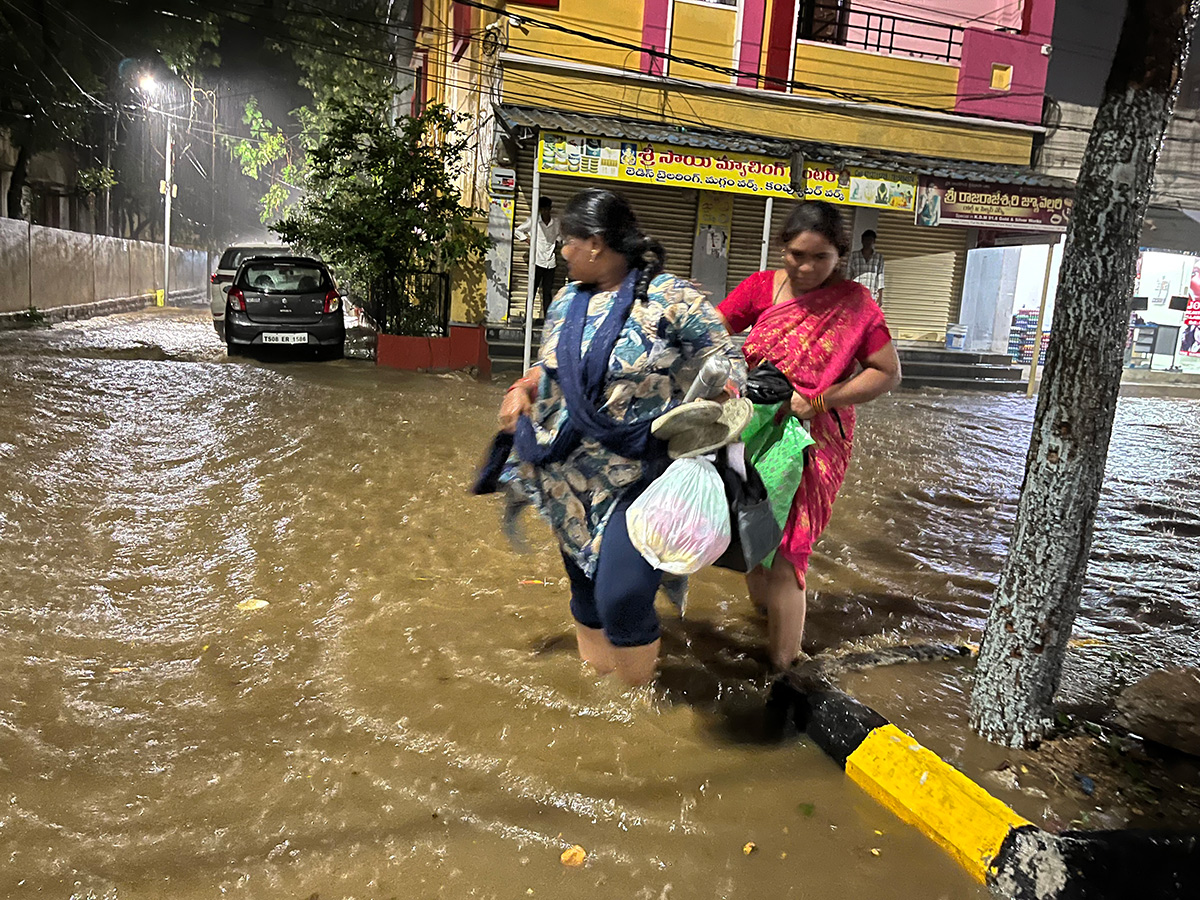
[(1037, 598), (61, 84), (382, 204), (346, 53)]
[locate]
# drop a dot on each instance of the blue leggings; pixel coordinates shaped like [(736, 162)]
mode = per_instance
[(620, 600)]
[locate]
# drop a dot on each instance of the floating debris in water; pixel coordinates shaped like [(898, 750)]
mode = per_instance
[(807, 809), (252, 604), (573, 856), (749, 848)]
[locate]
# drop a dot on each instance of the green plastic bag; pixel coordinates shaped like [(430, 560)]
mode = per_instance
[(776, 449)]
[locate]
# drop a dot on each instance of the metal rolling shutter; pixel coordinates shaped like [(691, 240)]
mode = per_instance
[(923, 274), (666, 214), (745, 243)]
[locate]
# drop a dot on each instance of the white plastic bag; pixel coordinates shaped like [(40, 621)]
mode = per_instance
[(680, 524)]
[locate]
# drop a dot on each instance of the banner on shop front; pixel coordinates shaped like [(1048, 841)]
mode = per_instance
[(646, 162), (861, 187), (1189, 334), (1016, 207)]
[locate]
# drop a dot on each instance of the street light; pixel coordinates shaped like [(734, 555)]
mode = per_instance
[(150, 87)]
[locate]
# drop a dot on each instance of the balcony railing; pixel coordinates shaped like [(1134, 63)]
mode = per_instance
[(838, 22)]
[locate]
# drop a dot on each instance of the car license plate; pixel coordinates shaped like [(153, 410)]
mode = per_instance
[(284, 338)]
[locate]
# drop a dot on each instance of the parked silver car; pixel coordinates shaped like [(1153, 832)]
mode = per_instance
[(284, 300), (227, 267)]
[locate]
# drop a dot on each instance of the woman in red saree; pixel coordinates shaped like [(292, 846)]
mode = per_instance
[(828, 336)]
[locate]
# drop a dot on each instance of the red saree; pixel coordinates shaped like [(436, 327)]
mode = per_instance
[(817, 339)]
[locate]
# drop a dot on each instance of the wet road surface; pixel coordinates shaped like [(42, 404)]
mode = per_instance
[(405, 715)]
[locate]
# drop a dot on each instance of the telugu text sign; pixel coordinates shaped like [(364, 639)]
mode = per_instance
[(645, 162), (1013, 207)]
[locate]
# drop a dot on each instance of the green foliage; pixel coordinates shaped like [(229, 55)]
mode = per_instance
[(96, 180), (269, 155), (382, 198), (343, 49)]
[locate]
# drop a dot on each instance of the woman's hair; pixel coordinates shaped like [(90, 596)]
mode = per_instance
[(607, 214), (819, 217)]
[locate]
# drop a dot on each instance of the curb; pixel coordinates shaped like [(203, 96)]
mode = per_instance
[(55, 315), (994, 844)]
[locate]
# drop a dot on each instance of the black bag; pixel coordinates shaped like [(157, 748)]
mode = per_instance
[(753, 531)]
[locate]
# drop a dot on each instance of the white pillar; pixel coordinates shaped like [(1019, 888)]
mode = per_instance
[(1037, 337), (766, 237), (167, 219), (533, 237)]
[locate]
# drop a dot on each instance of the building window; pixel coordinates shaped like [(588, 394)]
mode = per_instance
[(823, 20), (851, 25), (419, 85), (1001, 77), (462, 29)]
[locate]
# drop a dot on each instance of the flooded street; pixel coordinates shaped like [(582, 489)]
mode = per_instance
[(405, 716)]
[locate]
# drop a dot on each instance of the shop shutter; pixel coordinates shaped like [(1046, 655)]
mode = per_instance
[(667, 214), (745, 242), (923, 275)]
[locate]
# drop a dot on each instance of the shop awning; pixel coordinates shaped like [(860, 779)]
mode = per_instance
[(517, 119), (1166, 228)]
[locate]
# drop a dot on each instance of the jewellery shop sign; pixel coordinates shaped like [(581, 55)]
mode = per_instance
[(645, 162), (1013, 207)]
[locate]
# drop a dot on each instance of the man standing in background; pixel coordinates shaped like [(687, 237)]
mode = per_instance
[(866, 266), (545, 249)]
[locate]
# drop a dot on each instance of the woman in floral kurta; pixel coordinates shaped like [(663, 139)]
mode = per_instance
[(584, 494)]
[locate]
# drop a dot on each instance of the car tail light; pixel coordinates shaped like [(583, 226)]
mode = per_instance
[(332, 302), (212, 279), (218, 278), (236, 296)]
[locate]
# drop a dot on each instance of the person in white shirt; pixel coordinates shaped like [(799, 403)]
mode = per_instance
[(545, 250), (866, 266)]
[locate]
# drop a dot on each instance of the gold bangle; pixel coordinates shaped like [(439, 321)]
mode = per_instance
[(818, 403)]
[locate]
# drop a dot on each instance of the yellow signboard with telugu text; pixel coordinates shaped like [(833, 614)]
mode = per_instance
[(647, 162)]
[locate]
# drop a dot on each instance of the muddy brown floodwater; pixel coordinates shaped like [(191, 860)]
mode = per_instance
[(402, 714)]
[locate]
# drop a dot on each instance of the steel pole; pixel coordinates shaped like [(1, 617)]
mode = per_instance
[(533, 233)]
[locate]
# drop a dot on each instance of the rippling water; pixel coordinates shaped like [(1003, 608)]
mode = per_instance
[(406, 716)]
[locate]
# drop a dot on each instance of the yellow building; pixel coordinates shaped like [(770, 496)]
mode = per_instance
[(712, 116)]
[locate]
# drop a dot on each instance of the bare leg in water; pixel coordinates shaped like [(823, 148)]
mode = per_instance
[(778, 592), (635, 666)]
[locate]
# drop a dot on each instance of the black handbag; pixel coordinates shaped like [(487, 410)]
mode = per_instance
[(753, 531)]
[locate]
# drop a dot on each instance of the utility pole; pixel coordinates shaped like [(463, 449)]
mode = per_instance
[(168, 189), (1037, 597)]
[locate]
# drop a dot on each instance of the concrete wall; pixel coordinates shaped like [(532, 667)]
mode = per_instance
[(61, 268), (111, 267), (14, 265), (52, 268), (1177, 178)]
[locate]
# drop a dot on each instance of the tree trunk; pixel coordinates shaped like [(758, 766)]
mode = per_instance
[(16, 187), (1037, 598)]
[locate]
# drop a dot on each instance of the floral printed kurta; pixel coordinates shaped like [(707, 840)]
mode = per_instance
[(675, 324)]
